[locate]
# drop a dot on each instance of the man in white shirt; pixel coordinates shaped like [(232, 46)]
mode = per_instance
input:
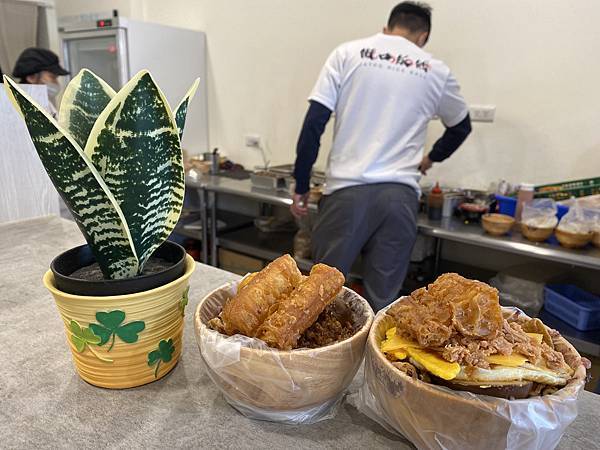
[(384, 90)]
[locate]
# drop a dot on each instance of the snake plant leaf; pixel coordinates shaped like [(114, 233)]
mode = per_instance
[(94, 209), (180, 112), (135, 146), (85, 97)]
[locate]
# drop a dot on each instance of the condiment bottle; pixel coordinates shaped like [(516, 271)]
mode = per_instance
[(526, 192), (435, 203)]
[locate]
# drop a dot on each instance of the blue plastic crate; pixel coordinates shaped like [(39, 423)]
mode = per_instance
[(577, 307)]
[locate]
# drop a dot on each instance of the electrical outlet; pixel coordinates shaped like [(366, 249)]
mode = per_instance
[(252, 140), (482, 113)]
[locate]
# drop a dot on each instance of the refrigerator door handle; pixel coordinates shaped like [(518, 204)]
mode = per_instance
[(123, 56)]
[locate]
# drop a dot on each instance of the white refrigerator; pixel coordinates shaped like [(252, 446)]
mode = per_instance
[(116, 48)]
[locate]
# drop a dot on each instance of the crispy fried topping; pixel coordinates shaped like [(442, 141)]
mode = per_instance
[(462, 320)]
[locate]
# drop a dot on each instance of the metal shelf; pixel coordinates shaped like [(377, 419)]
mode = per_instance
[(453, 229), (231, 220), (251, 241), (267, 246)]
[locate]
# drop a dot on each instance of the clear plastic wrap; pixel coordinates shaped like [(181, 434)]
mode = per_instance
[(578, 220), (300, 386), (435, 417), (540, 213)]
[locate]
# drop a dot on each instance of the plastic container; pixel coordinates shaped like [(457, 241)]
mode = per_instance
[(573, 305), (526, 192)]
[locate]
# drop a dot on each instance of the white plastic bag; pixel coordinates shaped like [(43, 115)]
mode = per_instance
[(300, 386), (578, 220), (435, 417), (540, 213)]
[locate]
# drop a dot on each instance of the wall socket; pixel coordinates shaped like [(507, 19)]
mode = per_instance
[(252, 140), (482, 113)]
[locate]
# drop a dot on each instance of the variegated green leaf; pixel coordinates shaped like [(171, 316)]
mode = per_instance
[(84, 99), (180, 112), (135, 146), (88, 198)]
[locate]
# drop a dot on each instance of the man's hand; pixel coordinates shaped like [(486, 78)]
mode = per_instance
[(299, 207), (425, 165)]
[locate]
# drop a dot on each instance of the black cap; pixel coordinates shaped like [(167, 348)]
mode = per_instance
[(34, 60)]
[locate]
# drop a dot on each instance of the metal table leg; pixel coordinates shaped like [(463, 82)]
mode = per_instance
[(204, 221), (438, 254), (212, 200)]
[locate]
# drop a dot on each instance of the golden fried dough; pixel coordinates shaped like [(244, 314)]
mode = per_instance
[(247, 310), (296, 313)]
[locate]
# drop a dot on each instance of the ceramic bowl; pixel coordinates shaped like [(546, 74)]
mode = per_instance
[(123, 341)]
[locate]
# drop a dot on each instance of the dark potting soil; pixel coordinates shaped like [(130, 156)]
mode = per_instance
[(93, 272)]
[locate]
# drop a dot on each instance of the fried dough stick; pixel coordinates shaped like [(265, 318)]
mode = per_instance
[(300, 310), (244, 312)]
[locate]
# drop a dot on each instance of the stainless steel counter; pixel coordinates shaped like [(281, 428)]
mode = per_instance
[(450, 229), (213, 183), (453, 229)]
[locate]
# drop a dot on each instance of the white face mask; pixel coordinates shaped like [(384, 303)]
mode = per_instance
[(53, 90)]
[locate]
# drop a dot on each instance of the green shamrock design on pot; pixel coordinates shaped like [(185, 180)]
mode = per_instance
[(164, 353), (83, 338), (111, 326)]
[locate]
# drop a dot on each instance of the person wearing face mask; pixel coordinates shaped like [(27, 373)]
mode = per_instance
[(40, 66)]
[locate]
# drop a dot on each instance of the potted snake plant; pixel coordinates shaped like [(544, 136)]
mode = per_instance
[(116, 160)]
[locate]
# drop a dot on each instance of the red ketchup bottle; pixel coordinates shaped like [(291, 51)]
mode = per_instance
[(435, 203)]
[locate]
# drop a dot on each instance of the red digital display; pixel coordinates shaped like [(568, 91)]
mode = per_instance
[(104, 23)]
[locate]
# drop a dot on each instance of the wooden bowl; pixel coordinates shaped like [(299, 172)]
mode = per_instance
[(436, 417), (253, 376), (573, 240), (497, 224), (536, 234)]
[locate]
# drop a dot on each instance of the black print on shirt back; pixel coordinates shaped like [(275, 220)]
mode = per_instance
[(399, 63)]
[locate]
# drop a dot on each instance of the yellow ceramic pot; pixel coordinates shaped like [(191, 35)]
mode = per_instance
[(125, 340)]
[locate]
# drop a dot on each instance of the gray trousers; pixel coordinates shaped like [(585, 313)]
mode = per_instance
[(377, 220)]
